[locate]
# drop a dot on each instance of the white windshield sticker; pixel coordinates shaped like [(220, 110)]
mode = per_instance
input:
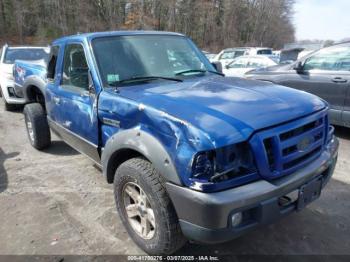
[(111, 78)]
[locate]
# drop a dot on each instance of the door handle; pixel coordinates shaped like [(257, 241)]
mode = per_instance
[(339, 80), (56, 100)]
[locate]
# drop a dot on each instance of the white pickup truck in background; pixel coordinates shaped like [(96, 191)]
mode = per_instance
[(8, 55)]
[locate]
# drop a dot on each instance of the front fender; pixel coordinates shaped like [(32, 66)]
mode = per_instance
[(32, 81), (146, 145)]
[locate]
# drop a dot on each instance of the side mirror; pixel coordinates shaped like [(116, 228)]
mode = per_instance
[(299, 67), (217, 66)]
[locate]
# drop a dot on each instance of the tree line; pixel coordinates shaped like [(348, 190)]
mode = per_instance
[(212, 24)]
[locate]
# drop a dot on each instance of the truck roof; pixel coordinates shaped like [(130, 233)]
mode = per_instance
[(24, 47), (245, 48), (89, 36)]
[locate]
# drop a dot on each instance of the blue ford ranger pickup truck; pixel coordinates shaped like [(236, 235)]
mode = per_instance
[(192, 154)]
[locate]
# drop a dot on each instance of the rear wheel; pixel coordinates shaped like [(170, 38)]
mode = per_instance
[(145, 208), (37, 126)]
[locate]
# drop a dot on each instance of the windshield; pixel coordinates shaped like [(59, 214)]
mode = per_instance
[(232, 54), (126, 57), (28, 54)]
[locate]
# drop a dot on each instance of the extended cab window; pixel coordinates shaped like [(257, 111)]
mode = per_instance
[(51, 66), (75, 68), (336, 58)]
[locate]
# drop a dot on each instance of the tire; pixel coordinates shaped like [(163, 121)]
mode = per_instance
[(166, 236), (37, 126)]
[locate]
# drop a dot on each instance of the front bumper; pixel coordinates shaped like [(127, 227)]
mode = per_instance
[(206, 217), (14, 96)]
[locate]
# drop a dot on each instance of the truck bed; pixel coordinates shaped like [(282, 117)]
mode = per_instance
[(24, 69)]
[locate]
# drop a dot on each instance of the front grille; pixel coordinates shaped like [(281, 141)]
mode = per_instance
[(289, 147), (300, 130), (302, 158)]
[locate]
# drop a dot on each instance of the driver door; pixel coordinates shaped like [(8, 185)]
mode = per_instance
[(76, 102)]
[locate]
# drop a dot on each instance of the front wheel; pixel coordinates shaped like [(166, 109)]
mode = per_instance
[(145, 208), (37, 126)]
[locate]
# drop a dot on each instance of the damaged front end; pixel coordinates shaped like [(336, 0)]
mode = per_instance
[(223, 168), (201, 163)]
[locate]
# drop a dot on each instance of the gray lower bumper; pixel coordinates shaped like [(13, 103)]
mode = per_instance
[(205, 217)]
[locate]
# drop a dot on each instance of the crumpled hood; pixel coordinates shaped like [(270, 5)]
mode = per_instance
[(227, 109)]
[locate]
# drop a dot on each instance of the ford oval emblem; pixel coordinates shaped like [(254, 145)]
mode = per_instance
[(304, 143)]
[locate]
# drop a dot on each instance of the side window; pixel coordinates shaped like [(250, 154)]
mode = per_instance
[(75, 68), (228, 55), (51, 65), (239, 53), (335, 58), (264, 52)]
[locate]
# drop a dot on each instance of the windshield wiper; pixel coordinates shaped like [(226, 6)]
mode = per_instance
[(199, 71), (145, 78)]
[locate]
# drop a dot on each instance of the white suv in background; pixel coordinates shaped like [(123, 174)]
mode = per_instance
[(243, 64), (227, 55), (8, 55)]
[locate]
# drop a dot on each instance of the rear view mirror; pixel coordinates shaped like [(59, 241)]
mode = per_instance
[(217, 66)]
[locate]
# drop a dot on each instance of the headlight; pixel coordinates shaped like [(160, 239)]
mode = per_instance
[(224, 164), (203, 165)]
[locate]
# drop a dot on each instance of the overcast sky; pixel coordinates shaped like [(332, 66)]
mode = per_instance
[(322, 19)]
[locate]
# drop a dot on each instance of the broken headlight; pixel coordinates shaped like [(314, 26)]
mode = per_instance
[(203, 167), (235, 162)]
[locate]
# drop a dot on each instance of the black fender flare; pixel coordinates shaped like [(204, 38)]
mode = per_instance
[(142, 143), (33, 81)]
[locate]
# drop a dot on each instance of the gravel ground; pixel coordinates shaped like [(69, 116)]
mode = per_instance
[(57, 202)]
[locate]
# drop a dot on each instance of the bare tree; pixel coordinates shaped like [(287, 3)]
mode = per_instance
[(212, 24)]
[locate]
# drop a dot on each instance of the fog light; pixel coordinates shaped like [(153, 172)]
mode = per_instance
[(236, 219), (11, 91)]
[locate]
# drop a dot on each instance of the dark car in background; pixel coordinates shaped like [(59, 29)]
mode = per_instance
[(325, 73)]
